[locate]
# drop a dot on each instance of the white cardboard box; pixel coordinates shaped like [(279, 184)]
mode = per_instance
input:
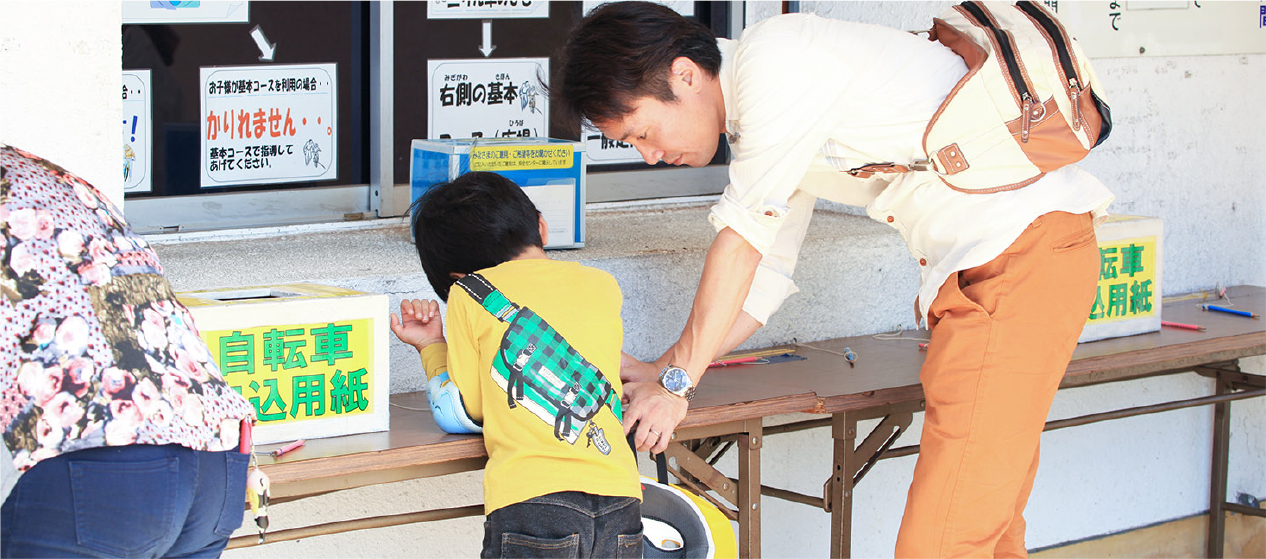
[(311, 358), (1128, 300)]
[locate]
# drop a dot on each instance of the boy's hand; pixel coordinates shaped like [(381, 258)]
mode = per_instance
[(419, 323)]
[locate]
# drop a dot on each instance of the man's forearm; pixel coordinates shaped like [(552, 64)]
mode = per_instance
[(743, 328), (727, 276)]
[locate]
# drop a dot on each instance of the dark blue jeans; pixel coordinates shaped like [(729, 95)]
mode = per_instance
[(126, 501), (566, 524)]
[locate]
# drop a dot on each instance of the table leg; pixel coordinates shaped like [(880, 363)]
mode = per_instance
[(749, 489), (840, 493), (694, 472), (852, 461), (1217, 475)]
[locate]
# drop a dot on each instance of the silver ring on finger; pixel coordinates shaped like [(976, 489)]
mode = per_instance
[(654, 432)]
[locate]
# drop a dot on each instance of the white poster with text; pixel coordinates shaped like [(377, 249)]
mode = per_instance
[(186, 11), (486, 9), (599, 149), (269, 124), (138, 125), (487, 98)]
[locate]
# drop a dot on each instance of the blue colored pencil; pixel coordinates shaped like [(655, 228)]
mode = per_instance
[(1228, 311)]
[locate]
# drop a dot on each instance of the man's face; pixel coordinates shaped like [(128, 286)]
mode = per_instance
[(680, 132)]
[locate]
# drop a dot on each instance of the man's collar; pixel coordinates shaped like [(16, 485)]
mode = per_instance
[(729, 94)]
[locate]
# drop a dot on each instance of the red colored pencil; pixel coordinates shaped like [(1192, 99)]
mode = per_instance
[(285, 449), (1195, 327)]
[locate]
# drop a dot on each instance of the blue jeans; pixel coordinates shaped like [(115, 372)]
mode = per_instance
[(126, 501), (566, 524)]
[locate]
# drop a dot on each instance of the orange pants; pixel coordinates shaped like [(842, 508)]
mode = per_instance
[(1002, 336)]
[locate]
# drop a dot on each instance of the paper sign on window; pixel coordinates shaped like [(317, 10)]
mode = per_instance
[(269, 124), (492, 98), (137, 126)]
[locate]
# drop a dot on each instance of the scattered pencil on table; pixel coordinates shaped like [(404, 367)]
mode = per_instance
[(285, 449), (850, 356), (735, 361), (1180, 325), (1229, 311)]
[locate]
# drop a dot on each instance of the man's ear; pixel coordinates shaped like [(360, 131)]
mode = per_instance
[(686, 70), (544, 229)]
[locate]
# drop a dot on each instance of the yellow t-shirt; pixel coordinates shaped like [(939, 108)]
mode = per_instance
[(525, 458)]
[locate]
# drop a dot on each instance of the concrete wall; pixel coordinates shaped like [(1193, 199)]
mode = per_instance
[(60, 76)]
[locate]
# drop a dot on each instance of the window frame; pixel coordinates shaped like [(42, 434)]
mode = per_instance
[(383, 196)]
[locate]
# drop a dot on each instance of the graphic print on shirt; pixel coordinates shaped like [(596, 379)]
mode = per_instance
[(540, 370)]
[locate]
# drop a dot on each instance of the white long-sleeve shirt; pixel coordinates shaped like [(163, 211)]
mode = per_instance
[(807, 98)]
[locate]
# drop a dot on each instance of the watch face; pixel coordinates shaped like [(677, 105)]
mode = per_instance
[(676, 380)]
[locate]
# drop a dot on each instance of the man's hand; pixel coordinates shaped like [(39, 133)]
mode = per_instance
[(632, 370), (654, 412), (419, 323)]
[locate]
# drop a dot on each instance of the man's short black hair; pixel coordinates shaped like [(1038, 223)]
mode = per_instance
[(477, 221), (622, 52)]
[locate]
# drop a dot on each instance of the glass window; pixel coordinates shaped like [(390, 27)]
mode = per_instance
[(377, 57), (307, 33)]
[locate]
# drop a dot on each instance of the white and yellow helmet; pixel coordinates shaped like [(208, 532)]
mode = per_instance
[(678, 523)]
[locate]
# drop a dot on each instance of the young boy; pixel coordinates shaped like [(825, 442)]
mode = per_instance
[(532, 359)]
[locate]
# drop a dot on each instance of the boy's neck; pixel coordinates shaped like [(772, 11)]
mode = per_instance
[(532, 252)]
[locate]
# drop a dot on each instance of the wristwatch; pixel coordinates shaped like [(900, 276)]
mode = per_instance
[(675, 380)]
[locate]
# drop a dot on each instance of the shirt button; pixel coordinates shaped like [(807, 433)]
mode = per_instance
[(923, 262), (891, 219)]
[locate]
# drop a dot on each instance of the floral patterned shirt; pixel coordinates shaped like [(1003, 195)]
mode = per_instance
[(94, 348)]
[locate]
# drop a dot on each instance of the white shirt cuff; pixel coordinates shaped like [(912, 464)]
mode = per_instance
[(769, 290)]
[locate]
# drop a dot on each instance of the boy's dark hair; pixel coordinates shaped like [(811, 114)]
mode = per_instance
[(477, 221), (621, 52)]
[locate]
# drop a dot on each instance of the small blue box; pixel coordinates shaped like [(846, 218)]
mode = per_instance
[(551, 172)]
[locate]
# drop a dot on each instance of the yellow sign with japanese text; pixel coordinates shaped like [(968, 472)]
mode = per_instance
[(298, 372), (1127, 281), (515, 157)]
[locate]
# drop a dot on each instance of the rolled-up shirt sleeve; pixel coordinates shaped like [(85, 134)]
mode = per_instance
[(759, 226), (778, 129), (772, 283)]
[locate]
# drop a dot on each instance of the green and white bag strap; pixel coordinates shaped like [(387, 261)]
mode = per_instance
[(489, 297)]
